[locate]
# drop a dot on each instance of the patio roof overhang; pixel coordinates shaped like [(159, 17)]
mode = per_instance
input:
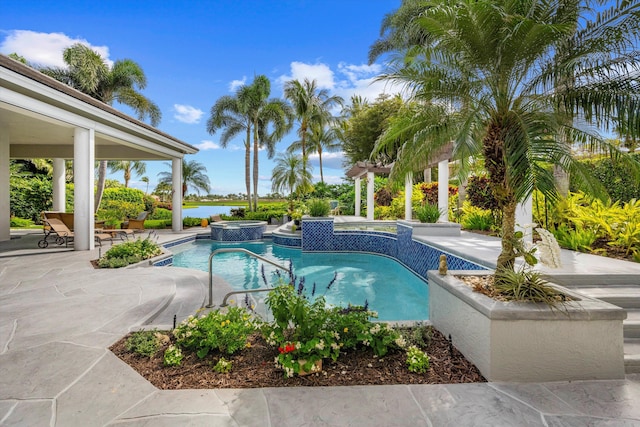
[(43, 118), (40, 115)]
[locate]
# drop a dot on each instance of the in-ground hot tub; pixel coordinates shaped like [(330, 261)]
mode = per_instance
[(237, 231)]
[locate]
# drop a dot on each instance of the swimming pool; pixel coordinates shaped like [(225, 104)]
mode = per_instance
[(389, 288)]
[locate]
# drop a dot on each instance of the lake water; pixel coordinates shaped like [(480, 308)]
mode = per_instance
[(207, 211)]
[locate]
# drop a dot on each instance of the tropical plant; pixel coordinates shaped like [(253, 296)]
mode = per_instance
[(290, 175), (88, 72), (193, 176), (428, 212), (144, 343), (127, 167), (318, 207), (310, 105), (505, 109)]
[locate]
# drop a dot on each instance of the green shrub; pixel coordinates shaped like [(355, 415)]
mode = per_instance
[(29, 197), (429, 191), (157, 224), (127, 253), (475, 218), (144, 343), (617, 179), (191, 222), (20, 222), (417, 360), (318, 207), (479, 193), (578, 240), (224, 332), (160, 213), (428, 213)]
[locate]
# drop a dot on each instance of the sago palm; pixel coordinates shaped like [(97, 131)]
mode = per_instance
[(486, 79)]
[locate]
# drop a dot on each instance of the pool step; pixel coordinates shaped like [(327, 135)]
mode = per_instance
[(632, 355), (623, 296), (632, 324), (190, 293)]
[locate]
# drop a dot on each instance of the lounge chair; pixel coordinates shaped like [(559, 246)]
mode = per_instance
[(55, 227), (136, 224)]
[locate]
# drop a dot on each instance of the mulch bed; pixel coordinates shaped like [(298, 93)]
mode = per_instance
[(254, 367)]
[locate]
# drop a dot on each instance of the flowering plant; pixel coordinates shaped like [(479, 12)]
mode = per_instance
[(306, 331), (226, 332), (417, 360)]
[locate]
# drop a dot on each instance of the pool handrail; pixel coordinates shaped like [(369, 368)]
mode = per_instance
[(252, 254)]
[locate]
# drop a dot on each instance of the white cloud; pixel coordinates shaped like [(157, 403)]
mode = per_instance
[(187, 113), (208, 145), (235, 84), (321, 73), (329, 160), (45, 49), (235, 147)]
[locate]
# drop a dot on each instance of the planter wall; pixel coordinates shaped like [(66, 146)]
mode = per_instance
[(524, 342), (432, 229)]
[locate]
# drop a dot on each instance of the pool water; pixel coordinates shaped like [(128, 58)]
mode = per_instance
[(389, 288)]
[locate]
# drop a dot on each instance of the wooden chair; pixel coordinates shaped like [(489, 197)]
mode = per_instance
[(136, 224)]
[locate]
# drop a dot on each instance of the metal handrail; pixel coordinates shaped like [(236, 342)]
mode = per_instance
[(219, 251)]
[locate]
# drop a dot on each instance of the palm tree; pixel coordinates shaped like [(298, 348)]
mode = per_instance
[(487, 81), (193, 176), (231, 114), (88, 72), (320, 138), (310, 104), (266, 114), (145, 179), (289, 175), (128, 167)]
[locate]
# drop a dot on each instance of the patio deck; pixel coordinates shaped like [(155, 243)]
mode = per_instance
[(58, 316)]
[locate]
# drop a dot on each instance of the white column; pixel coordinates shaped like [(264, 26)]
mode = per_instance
[(524, 219), (5, 210), (443, 190), (83, 159), (176, 174), (59, 189), (358, 200), (427, 175), (408, 194), (370, 203)]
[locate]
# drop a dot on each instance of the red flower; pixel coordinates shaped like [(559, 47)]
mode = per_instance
[(287, 348)]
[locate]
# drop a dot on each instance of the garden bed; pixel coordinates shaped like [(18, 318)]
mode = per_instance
[(254, 367)]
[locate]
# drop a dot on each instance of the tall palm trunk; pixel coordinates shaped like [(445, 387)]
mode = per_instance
[(102, 177), (320, 159), (493, 147), (247, 164), (255, 168)]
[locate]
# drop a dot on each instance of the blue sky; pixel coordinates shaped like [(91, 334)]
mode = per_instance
[(194, 52)]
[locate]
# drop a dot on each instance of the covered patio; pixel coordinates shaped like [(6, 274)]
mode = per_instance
[(43, 118)]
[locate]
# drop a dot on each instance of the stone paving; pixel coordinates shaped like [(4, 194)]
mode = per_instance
[(58, 316)]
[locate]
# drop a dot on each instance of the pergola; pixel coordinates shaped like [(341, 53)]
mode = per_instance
[(43, 118), (367, 169)]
